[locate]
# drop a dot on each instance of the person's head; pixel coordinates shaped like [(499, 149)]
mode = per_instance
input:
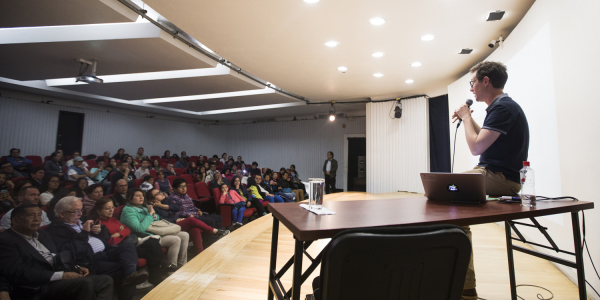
[(154, 195), (123, 166), (56, 156), (258, 178), (60, 151), (180, 186), (145, 163), (81, 184), (238, 173), (224, 189), (229, 157), (215, 157), (95, 191), (285, 176), (29, 194), (230, 163), (275, 176), (227, 172), (267, 178), (183, 153), (37, 173), (234, 169), (69, 210), (107, 154), (15, 152), (488, 80), (113, 163), (6, 167), (101, 163), (51, 183), (155, 163), (198, 177), (76, 154), (293, 168), (103, 209), (78, 161), (136, 198), (167, 153), (23, 183), (26, 219), (213, 166), (171, 168), (206, 166), (254, 165), (330, 155), (2, 178), (160, 175), (149, 179), (129, 160), (236, 182), (121, 186), (121, 151), (192, 165), (282, 170), (251, 181), (239, 159), (140, 151), (224, 156)]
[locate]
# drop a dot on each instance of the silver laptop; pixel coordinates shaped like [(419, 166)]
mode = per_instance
[(454, 187)]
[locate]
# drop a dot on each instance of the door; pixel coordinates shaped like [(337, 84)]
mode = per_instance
[(70, 132), (357, 169)]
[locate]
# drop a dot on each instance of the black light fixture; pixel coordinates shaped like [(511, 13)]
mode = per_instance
[(465, 51), (332, 112), (398, 109), (496, 15)]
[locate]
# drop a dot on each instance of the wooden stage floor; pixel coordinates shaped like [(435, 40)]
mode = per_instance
[(236, 267)]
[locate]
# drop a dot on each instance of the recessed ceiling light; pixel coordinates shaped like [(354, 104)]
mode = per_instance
[(377, 74), (465, 51), (416, 64), (496, 15), (409, 81), (331, 43), (311, 1), (342, 69), (428, 37), (377, 21), (377, 54)]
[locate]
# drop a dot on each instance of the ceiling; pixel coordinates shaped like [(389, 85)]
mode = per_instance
[(281, 42)]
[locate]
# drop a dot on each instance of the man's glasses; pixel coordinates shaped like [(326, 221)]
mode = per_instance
[(472, 82), (77, 212)]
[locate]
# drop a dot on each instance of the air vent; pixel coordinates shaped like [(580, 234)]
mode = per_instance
[(495, 16), (466, 51)]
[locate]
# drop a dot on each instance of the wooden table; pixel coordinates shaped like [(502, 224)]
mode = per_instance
[(307, 227)]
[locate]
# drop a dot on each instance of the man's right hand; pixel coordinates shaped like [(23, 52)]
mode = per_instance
[(4, 295), (87, 226), (71, 275)]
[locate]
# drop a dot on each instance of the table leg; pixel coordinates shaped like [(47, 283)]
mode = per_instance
[(511, 262), (297, 275), (578, 255), (272, 265)]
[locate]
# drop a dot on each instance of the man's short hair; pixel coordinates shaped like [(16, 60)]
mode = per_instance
[(36, 169), (177, 182), (64, 204), (327, 152), (148, 177), (141, 148), (101, 159), (2, 164), (13, 149), (23, 191), (20, 210), (145, 159), (124, 162), (255, 163), (212, 163), (495, 71), (90, 189), (54, 154)]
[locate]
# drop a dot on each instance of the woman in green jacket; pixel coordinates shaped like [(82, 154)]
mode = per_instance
[(138, 215)]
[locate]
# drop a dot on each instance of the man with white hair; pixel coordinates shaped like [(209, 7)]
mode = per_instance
[(119, 262), (30, 195)]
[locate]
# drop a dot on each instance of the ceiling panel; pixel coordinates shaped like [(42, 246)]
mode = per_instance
[(301, 111), (27, 13), (225, 103), (57, 60), (139, 90)]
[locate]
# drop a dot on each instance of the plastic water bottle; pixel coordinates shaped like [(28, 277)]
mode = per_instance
[(527, 186)]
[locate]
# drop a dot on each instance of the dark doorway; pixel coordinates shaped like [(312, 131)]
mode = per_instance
[(70, 132), (439, 134), (357, 164)]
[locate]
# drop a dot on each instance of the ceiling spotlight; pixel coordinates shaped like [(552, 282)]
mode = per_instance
[(378, 54), (416, 64), (398, 109), (342, 69), (377, 74), (496, 15), (377, 21), (311, 1), (409, 81), (493, 43), (331, 43), (428, 37), (84, 65), (332, 112), (465, 51)]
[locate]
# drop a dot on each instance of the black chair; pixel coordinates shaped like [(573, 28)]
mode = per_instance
[(412, 263)]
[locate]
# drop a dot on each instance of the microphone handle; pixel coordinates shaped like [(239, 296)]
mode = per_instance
[(459, 122)]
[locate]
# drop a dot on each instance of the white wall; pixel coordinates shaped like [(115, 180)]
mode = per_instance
[(397, 149), (553, 71)]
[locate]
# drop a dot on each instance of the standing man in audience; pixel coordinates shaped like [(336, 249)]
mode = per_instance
[(36, 176), (27, 195), (55, 165), (21, 164), (330, 168), (78, 170), (7, 169), (502, 142), (124, 173), (140, 154), (144, 169), (28, 262)]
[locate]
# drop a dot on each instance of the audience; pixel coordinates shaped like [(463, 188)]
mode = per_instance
[(217, 181), (6, 200), (182, 163), (256, 189), (8, 170), (72, 160), (287, 186), (130, 162), (55, 165), (102, 176), (79, 187), (228, 165), (170, 170), (192, 168), (78, 170), (267, 184), (112, 165), (140, 154), (239, 162), (254, 170), (156, 165), (23, 183), (119, 197), (187, 208), (239, 204), (120, 154), (50, 187), (29, 265), (124, 173), (27, 195), (36, 176), (223, 158), (237, 186), (93, 193), (162, 183), (144, 169), (148, 183), (138, 216), (21, 164), (167, 155), (228, 174), (184, 155)]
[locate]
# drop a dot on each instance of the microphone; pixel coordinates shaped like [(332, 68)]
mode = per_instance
[(469, 102)]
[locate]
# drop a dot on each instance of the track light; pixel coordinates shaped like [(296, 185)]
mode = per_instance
[(398, 109), (493, 43), (332, 112), (83, 68)]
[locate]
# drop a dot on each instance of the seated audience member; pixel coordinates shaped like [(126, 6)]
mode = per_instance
[(138, 215), (6, 200), (167, 155), (119, 196), (131, 163), (112, 166), (78, 170), (182, 164), (93, 193), (184, 156), (140, 154), (254, 170), (29, 265), (267, 184), (206, 166), (106, 156), (265, 189), (162, 184), (8, 170), (79, 187), (61, 194), (218, 181), (72, 160), (64, 158), (239, 162), (287, 186), (27, 195), (55, 165), (226, 166), (36, 176), (296, 179), (234, 169), (187, 208), (120, 154), (170, 170), (21, 164), (282, 170), (156, 165), (175, 156), (148, 183), (223, 158), (191, 225), (102, 177), (144, 169), (119, 262), (239, 204), (210, 174), (230, 158), (192, 168), (268, 172), (228, 174), (198, 177), (236, 185), (124, 173), (245, 170), (117, 232), (21, 184), (256, 191), (50, 187)]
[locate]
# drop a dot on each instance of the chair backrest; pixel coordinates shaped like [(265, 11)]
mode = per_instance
[(201, 189), (171, 179), (193, 158), (17, 179), (153, 173), (171, 160), (3, 158), (162, 161), (191, 191), (137, 182), (420, 263), (47, 158), (35, 160), (153, 157), (217, 196), (91, 163), (188, 178), (164, 165), (117, 212), (178, 171)]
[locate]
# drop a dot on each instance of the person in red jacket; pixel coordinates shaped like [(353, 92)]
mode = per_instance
[(239, 204)]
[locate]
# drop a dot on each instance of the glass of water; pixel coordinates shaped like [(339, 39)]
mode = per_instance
[(315, 192)]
